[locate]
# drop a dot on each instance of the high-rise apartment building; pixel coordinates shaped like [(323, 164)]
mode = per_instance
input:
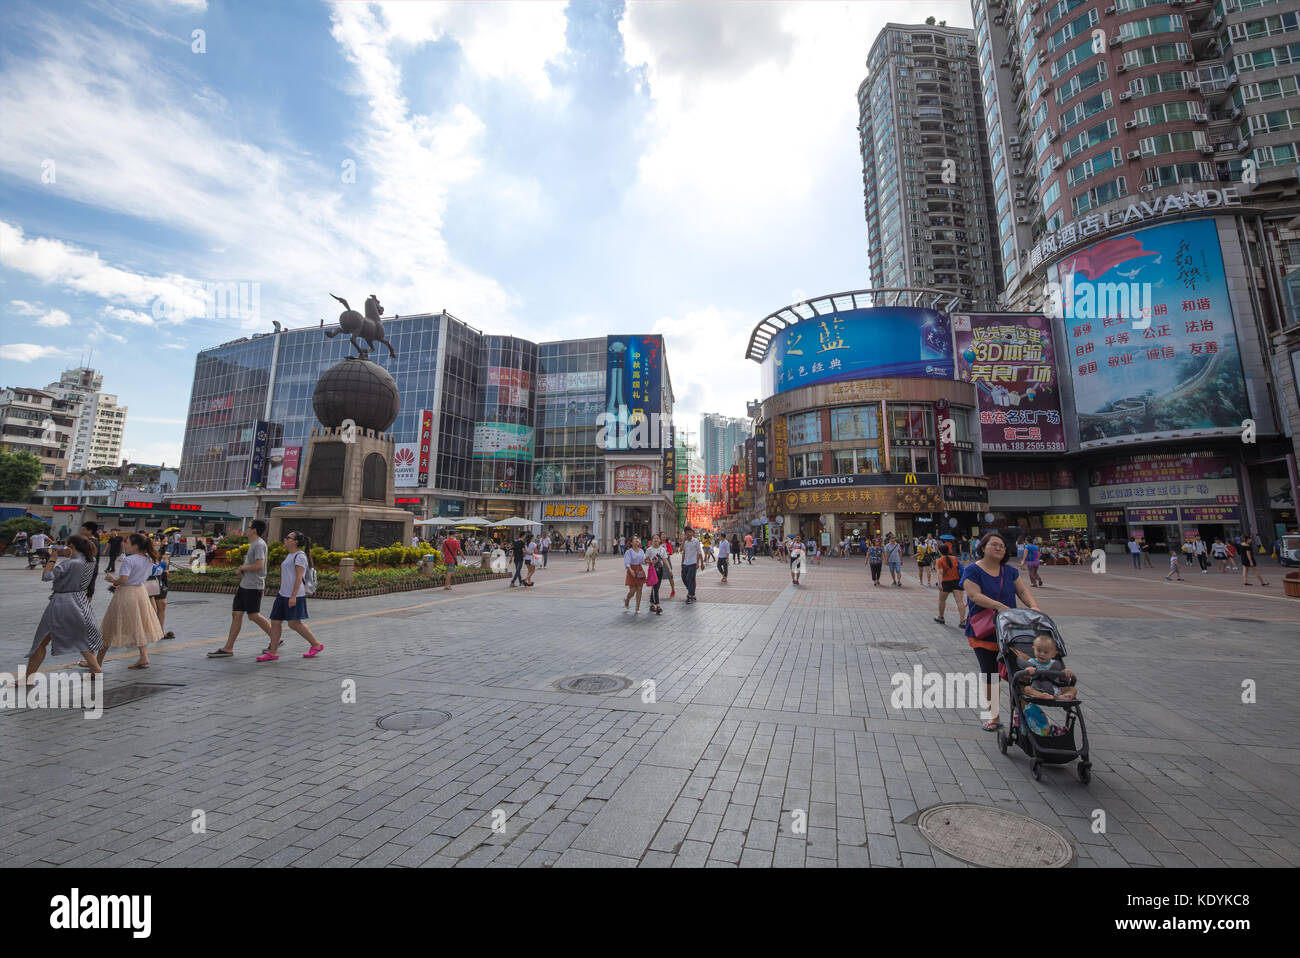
[(1106, 117), (719, 436), (925, 164), (41, 423), (97, 439)]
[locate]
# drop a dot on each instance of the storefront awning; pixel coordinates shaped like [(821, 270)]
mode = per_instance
[(163, 514)]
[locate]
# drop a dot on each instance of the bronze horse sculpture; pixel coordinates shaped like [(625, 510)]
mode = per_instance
[(369, 327)]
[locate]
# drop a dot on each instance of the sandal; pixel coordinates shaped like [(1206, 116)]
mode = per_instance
[(939, 619), (268, 657), (139, 665), (989, 725), (313, 652)]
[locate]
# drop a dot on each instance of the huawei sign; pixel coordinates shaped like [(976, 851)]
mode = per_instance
[(404, 457)]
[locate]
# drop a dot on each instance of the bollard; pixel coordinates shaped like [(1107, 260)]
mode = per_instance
[(346, 565)]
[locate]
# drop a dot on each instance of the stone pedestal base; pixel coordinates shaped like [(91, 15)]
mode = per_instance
[(340, 527)]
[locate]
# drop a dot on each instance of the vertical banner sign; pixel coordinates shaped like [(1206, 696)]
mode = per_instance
[(781, 467), (943, 413), (426, 442), (257, 470), (670, 461), (289, 471), (634, 385), (275, 475), (760, 456)]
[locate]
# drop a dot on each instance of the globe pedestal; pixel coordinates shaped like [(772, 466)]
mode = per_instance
[(347, 476)]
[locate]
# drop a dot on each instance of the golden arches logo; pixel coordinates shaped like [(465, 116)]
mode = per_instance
[(910, 479)]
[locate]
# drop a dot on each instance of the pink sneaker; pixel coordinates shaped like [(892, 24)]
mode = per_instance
[(312, 653), (268, 657)]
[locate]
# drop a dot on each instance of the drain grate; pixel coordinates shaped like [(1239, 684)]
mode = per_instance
[(993, 837), (899, 646), (593, 684), (414, 720), (122, 695)]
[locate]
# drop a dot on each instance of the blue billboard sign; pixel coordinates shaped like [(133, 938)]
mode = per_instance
[(873, 343), (632, 421)]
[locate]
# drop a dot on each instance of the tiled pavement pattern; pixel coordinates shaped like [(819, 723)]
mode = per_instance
[(767, 700)]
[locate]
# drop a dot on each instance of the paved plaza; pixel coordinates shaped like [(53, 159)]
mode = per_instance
[(769, 703)]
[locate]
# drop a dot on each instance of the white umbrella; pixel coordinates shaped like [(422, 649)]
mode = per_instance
[(516, 521), (471, 521), (438, 521)]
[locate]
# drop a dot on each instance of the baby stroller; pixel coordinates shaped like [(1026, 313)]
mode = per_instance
[(1016, 629)]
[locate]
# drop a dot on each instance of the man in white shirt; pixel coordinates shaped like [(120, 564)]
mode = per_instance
[(724, 552), (40, 544), (691, 553)]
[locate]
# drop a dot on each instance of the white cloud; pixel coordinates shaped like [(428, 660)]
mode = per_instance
[(158, 420), (27, 352), (128, 315), (702, 346), (54, 318), (24, 308), (501, 40)]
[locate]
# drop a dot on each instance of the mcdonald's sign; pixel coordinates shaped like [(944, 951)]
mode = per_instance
[(910, 479)]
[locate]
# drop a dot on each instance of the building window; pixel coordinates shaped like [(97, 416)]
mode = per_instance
[(804, 428), (854, 422), (805, 464)]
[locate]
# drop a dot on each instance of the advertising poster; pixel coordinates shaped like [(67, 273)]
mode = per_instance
[(633, 480), (289, 468), (426, 444), (1009, 359), (1187, 475), (633, 386), (947, 454), (512, 385), (1175, 367), (406, 462), (275, 471), (873, 343), (503, 440)]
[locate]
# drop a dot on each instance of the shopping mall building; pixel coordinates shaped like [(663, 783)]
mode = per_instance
[(492, 426), (891, 411)]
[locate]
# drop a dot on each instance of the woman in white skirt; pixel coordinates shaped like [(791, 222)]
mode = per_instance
[(68, 623), (131, 622)]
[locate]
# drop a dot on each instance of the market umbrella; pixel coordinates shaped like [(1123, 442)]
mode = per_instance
[(472, 522), (438, 521), (514, 521)]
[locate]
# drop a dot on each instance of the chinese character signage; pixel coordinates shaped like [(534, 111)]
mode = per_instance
[(1211, 514), (633, 480), (859, 344), (566, 510), (1155, 514), (760, 455), (1175, 476), (1170, 366), (670, 461), (633, 386), (1010, 360), (781, 466), (426, 443)]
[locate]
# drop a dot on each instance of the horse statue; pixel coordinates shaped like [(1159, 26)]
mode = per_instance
[(369, 327)]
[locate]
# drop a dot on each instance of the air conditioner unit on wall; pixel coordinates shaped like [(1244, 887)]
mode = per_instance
[(1126, 95), (1130, 124), (1109, 10), (1121, 67), (1135, 154)]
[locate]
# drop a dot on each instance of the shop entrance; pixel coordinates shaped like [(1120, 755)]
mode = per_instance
[(636, 522), (860, 528), (1160, 538)]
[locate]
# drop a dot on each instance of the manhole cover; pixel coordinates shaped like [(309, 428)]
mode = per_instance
[(414, 720), (993, 837), (899, 646), (593, 684), (123, 694)]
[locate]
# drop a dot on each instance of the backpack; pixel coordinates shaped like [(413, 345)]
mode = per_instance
[(309, 581)]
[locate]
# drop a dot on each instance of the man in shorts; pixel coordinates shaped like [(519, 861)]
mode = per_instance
[(248, 599), (894, 559)]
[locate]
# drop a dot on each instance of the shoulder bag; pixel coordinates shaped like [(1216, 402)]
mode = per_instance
[(983, 623)]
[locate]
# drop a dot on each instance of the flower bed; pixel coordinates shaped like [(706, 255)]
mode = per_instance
[(368, 581)]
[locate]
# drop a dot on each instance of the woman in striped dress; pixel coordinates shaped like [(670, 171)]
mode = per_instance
[(68, 623)]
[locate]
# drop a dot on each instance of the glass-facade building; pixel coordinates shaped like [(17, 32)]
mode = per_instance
[(515, 426)]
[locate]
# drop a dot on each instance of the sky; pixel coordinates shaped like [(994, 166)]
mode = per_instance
[(545, 170)]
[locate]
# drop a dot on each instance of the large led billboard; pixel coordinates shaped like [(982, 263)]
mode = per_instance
[(872, 343), (632, 419), (1010, 359), (1168, 361)]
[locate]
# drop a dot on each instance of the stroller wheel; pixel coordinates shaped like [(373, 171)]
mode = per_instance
[(1002, 742), (1085, 773), (1036, 769)]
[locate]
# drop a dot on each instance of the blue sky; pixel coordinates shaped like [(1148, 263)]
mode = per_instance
[(544, 169)]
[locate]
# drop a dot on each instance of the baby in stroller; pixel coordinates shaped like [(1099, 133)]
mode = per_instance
[(1046, 658)]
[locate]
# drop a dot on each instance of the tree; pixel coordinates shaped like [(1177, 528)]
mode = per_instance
[(11, 527), (929, 21), (19, 474)]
